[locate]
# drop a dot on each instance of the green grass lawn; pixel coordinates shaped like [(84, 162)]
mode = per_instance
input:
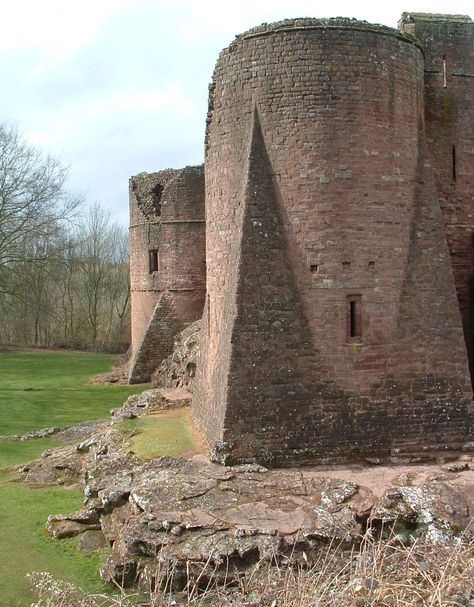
[(25, 547), (61, 396), (22, 452), (39, 389)]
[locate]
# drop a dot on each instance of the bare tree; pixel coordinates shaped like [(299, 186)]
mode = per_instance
[(103, 270), (62, 282), (33, 200), (119, 285)]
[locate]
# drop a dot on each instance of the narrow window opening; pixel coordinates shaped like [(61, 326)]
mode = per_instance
[(153, 259), (354, 317), (445, 80), (346, 265), (208, 316), (454, 162), (354, 323), (371, 265), (314, 269)]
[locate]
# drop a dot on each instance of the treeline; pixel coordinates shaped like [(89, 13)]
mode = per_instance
[(63, 267)]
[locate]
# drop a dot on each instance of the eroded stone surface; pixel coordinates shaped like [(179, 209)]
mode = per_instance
[(42, 433), (60, 527), (57, 467), (178, 514), (92, 540), (68, 465), (151, 401), (438, 510), (179, 369)]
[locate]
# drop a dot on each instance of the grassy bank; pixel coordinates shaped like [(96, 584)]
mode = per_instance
[(168, 433), (40, 389)]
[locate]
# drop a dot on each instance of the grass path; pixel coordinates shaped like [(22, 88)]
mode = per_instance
[(40, 389)]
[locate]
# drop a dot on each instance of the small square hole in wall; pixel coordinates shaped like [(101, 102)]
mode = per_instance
[(371, 265), (346, 265), (314, 269)]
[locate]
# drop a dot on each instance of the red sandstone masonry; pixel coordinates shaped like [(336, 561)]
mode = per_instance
[(321, 208), (448, 44), (166, 216)]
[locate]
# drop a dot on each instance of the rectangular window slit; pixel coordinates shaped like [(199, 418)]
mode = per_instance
[(153, 260), (354, 323), (208, 316), (354, 317), (445, 80), (454, 162)]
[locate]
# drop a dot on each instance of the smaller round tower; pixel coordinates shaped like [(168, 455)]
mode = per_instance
[(167, 262)]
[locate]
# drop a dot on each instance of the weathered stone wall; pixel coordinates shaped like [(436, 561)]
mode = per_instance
[(331, 325), (144, 190), (448, 45), (166, 216)]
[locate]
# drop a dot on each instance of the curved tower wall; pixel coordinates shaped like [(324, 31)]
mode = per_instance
[(144, 235), (167, 262), (330, 294)]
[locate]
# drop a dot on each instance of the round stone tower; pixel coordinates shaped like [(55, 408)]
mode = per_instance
[(325, 250), (167, 262)]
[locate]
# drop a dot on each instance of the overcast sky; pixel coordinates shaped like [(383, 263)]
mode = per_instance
[(116, 87)]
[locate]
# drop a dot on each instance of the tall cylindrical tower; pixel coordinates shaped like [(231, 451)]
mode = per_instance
[(320, 214), (167, 262)]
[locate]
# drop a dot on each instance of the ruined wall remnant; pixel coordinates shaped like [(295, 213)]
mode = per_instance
[(331, 325), (167, 262)]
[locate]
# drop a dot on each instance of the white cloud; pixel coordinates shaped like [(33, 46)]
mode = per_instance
[(83, 120), (54, 27), (115, 87)]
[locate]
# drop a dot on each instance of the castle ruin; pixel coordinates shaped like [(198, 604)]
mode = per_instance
[(167, 262), (339, 195)]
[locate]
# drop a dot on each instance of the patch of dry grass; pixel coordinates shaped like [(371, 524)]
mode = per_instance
[(376, 574), (168, 433)]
